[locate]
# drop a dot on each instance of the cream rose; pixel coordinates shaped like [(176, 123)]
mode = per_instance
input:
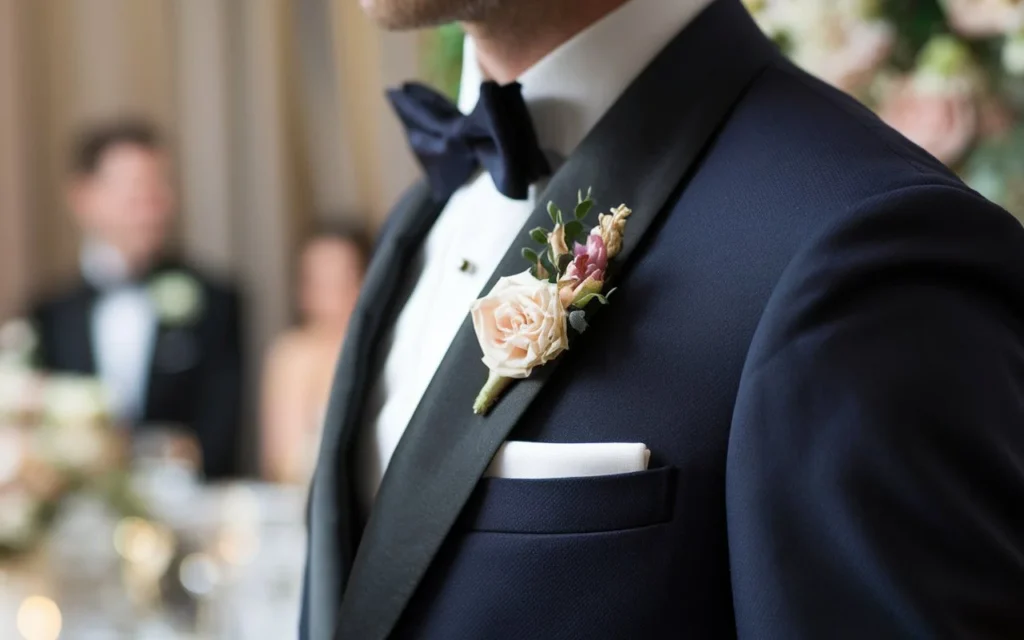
[(981, 18), (942, 121), (520, 324), (843, 51)]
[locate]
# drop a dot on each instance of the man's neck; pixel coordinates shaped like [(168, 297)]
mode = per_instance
[(104, 264), (513, 39)]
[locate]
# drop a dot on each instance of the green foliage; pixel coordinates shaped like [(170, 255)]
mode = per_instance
[(563, 262), (945, 54), (916, 22), (996, 171), (555, 213), (585, 300), (545, 260), (573, 230), (117, 488), (444, 58), (578, 320)]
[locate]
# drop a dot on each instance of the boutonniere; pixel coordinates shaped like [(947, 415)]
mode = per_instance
[(177, 298), (19, 342), (524, 321)]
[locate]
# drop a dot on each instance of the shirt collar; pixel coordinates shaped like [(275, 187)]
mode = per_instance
[(102, 265), (569, 90)]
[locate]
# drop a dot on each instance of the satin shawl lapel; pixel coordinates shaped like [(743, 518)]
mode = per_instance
[(640, 154), (332, 517), (73, 336)]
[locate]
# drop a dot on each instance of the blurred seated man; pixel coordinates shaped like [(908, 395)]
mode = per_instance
[(300, 364), (163, 337)]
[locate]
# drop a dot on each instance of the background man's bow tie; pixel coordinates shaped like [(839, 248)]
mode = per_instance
[(497, 135)]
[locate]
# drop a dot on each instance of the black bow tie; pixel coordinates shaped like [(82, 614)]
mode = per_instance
[(497, 135)]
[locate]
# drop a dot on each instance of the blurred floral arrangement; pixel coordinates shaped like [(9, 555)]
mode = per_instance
[(56, 439), (947, 74)]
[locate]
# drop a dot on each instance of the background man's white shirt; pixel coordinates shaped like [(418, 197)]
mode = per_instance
[(567, 93), (123, 329)]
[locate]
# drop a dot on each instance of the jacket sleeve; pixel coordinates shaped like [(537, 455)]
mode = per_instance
[(875, 476)]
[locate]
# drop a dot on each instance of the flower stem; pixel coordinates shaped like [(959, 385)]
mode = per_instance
[(492, 390)]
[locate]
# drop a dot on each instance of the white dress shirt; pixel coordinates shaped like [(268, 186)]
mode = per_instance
[(123, 329), (567, 93)]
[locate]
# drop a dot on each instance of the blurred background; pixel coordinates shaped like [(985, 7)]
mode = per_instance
[(273, 111), (270, 124), (189, 192)]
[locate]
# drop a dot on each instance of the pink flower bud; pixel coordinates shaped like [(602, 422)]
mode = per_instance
[(589, 260), (585, 274)]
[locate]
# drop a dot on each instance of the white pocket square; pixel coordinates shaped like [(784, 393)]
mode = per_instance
[(544, 460)]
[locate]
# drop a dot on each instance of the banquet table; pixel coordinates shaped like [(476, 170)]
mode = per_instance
[(208, 562)]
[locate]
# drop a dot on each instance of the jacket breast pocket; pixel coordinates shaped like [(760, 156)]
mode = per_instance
[(572, 505)]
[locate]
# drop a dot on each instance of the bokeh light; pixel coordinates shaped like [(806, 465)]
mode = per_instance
[(39, 618)]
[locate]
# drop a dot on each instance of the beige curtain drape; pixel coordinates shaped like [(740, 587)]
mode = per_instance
[(274, 109), (15, 222)]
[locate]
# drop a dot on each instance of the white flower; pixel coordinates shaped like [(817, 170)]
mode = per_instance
[(1013, 55), (520, 324), (771, 15), (69, 399), (20, 391), (177, 297), (78, 447), (841, 42), (12, 453), (17, 517), (18, 339), (982, 18)]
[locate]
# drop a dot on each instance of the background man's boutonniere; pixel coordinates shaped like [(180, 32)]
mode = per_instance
[(177, 298), (524, 321)]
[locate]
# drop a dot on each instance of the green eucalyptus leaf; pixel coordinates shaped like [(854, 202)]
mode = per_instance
[(578, 320), (585, 300), (572, 230), (545, 259), (555, 213), (540, 234), (583, 208), (563, 262), (530, 255)]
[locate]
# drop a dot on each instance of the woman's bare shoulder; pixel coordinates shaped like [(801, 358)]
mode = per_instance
[(289, 346)]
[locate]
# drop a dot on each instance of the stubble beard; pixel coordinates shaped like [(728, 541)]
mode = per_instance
[(401, 15)]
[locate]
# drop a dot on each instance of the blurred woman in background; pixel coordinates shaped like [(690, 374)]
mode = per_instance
[(300, 363)]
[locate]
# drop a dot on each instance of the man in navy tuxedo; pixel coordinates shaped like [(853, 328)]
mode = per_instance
[(800, 416), (164, 338)]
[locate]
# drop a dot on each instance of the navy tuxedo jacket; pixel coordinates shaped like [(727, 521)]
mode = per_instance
[(818, 332), (195, 373)]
